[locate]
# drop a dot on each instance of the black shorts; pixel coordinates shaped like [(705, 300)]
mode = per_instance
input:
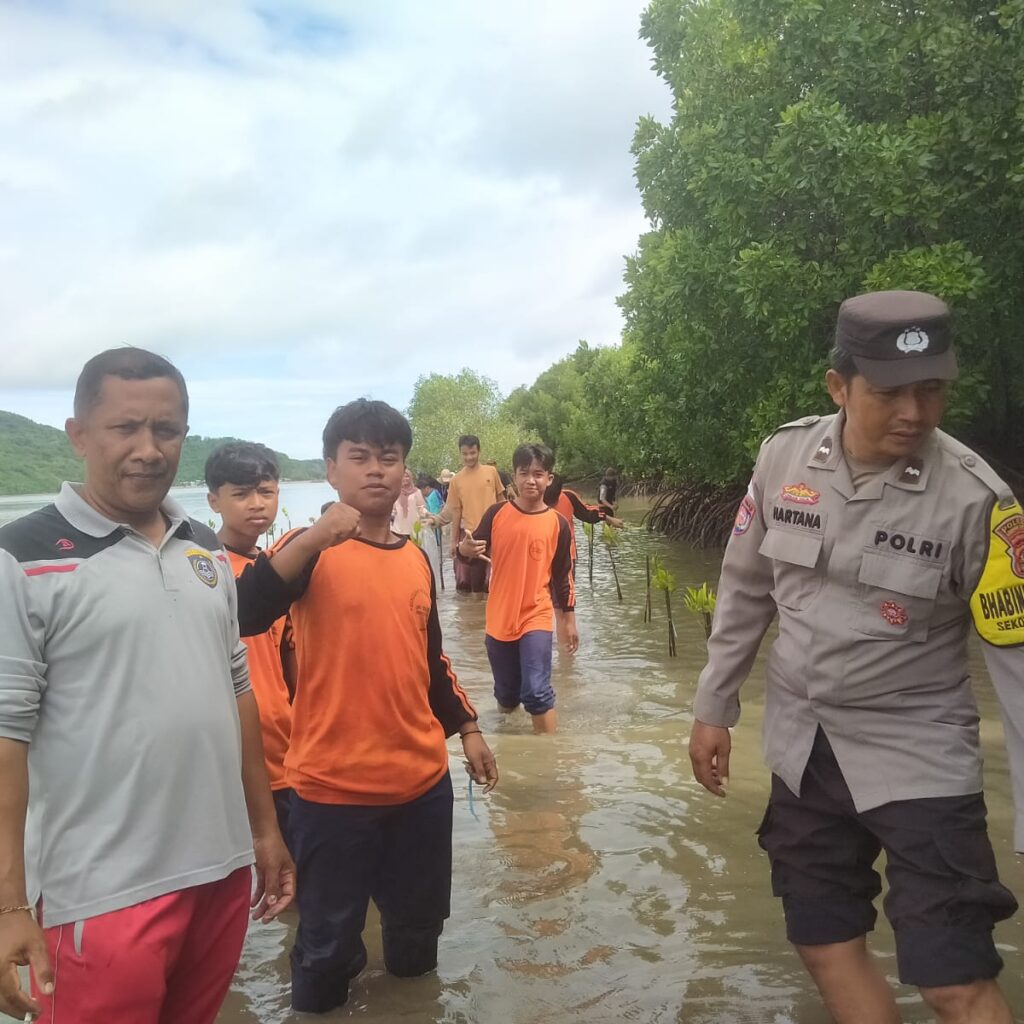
[(944, 891)]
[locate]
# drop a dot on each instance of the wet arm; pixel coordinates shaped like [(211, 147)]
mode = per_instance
[(583, 512)]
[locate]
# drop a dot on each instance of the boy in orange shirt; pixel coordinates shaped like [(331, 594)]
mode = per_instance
[(242, 480), (375, 699), (530, 549)]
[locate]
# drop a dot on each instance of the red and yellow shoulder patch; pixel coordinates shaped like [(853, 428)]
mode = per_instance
[(997, 604)]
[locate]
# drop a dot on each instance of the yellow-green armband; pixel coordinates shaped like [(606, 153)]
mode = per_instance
[(997, 604)]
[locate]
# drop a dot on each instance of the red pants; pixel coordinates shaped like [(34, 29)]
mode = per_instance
[(169, 960)]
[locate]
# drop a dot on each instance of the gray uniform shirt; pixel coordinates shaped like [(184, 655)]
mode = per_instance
[(120, 664), (873, 589)]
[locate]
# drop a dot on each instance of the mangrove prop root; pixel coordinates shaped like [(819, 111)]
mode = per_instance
[(699, 513), (648, 613), (671, 626)]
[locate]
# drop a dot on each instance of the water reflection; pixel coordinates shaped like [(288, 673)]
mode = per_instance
[(599, 883)]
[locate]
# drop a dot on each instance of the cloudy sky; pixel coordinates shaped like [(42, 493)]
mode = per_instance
[(303, 202)]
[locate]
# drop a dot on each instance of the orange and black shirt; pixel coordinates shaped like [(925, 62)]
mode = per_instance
[(529, 552), (375, 694), (268, 684), (570, 505)]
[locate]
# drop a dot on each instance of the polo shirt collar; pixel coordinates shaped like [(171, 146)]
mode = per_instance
[(82, 516)]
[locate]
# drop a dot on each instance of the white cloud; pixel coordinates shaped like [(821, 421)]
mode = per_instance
[(347, 193)]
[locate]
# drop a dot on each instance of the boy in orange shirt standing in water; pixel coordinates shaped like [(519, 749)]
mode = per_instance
[(530, 548), (375, 698), (242, 480)]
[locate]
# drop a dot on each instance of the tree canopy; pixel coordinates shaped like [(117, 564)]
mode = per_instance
[(443, 407), (817, 149)]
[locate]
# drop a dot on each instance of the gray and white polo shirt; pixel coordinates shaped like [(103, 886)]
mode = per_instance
[(120, 663)]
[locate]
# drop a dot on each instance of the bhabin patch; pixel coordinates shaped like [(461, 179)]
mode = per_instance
[(997, 604), (202, 565), (801, 494), (744, 516), (893, 613)]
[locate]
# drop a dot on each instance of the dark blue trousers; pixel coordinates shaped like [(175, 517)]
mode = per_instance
[(401, 856)]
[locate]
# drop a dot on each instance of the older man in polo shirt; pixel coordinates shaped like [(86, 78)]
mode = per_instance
[(126, 713)]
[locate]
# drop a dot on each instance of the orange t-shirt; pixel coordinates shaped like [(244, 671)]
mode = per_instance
[(268, 686), (473, 491), (529, 551), (375, 695)]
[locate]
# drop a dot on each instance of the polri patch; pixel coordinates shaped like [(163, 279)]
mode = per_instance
[(801, 494), (1011, 532), (202, 565), (744, 516)]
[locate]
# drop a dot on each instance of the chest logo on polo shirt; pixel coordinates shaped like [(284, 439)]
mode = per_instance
[(1011, 532), (202, 565), (801, 494)]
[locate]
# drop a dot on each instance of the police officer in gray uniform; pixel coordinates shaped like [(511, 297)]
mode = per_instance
[(877, 539)]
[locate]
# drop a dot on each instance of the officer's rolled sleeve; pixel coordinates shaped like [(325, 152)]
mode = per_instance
[(22, 667), (743, 611)]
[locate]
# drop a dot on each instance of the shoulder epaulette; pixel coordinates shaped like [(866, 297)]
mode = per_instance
[(804, 421), (979, 468)]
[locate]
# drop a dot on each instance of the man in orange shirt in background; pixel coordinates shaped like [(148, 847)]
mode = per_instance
[(242, 479), (471, 492), (375, 699), (530, 548)]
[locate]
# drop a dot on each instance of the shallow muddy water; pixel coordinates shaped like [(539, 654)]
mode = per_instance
[(599, 883)]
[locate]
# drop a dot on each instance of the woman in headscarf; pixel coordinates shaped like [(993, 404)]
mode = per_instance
[(409, 509)]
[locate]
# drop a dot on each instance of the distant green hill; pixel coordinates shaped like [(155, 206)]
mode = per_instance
[(34, 458)]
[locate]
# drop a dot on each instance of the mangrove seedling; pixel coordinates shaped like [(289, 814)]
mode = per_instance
[(284, 512), (648, 614), (610, 537), (588, 529), (417, 531), (701, 601), (666, 582)]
